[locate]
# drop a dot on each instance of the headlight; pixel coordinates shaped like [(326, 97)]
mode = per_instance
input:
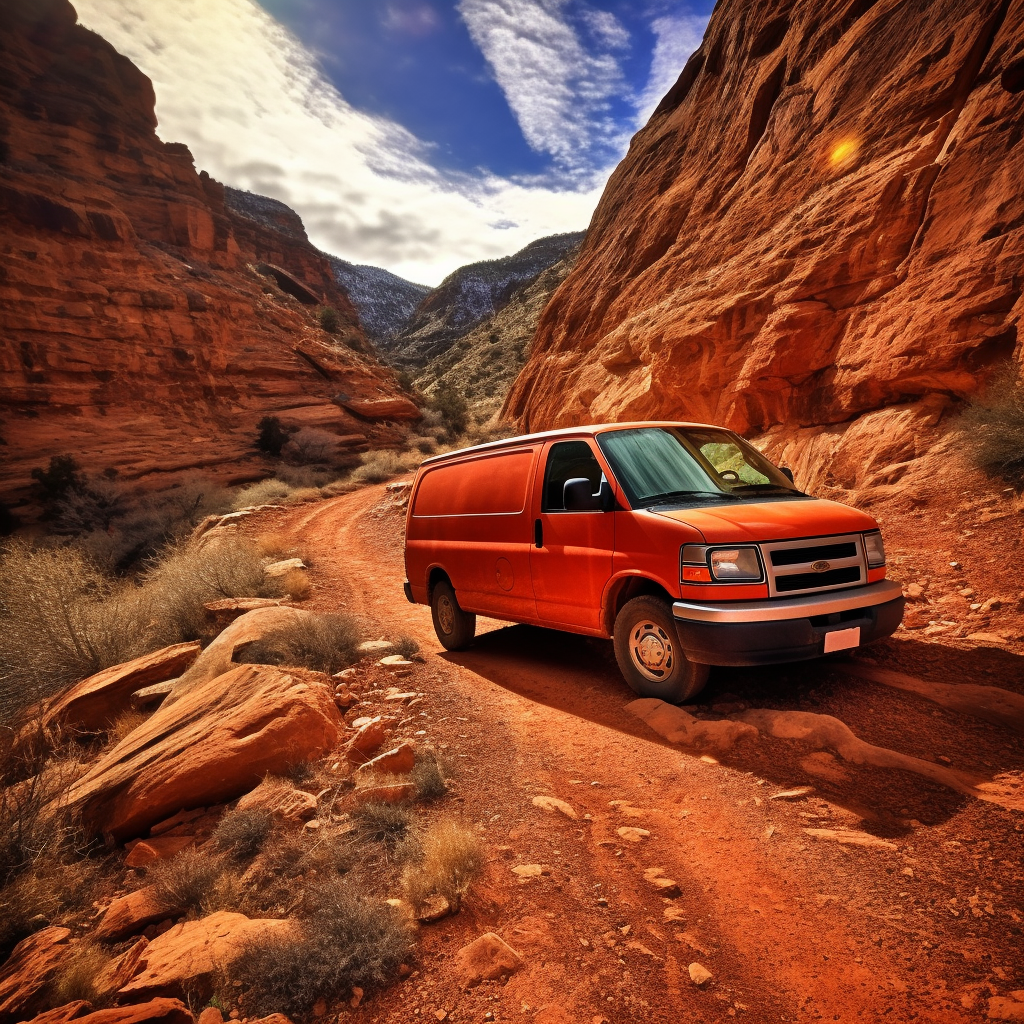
[(875, 549), (735, 564)]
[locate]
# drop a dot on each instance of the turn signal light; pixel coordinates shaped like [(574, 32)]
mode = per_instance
[(696, 574)]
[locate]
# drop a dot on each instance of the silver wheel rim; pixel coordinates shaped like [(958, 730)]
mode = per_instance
[(652, 651), (445, 614)]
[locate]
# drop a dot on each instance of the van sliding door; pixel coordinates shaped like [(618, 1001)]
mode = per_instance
[(572, 563)]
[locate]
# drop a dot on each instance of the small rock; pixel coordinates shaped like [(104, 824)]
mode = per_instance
[(282, 568), (320, 1007), (366, 742), (632, 834), (357, 996), (674, 914), (667, 887), (488, 958), (550, 803), (211, 1015), (373, 646), (797, 793), (393, 660), (434, 908), (699, 974), (913, 591), (531, 870), (399, 761), (991, 605), (286, 803)]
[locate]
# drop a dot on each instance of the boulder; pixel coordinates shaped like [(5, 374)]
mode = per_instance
[(62, 1014), (128, 915), (285, 802), (120, 970), (94, 703), (149, 851), (187, 958), (211, 745), (164, 1011), (488, 958), (399, 761), (27, 973)]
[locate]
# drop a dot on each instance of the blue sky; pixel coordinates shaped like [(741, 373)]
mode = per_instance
[(417, 135)]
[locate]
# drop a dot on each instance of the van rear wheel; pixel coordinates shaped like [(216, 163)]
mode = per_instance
[(454, 627), (648, 652)]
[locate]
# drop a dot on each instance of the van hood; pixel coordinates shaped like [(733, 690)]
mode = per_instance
[(771, 520)]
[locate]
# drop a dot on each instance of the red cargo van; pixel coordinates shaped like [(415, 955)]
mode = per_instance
[(679, 541)]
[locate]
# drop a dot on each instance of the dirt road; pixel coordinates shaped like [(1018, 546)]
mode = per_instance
[(876, 893)]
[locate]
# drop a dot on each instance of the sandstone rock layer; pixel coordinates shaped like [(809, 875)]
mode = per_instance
[(213, 744), (145, 325), (823, 221)]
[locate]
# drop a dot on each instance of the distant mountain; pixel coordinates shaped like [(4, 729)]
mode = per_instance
[(470, 295), (483, 363), (385, 301)]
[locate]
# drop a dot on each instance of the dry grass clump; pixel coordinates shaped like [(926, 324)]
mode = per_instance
[(125, 723), (379, 466), (343, 940), (407, 647), (427, 777), (381, 823), (325, 643), (451, 858), (241, 833), (295, 583), (192, 880), (265, 492), (79, 976), (62, 619), (993, 426)]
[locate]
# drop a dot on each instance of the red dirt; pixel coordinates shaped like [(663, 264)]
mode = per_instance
[(791, 925)]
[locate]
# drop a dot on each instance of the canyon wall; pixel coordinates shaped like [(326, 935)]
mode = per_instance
[(145, 327), (818, 237)]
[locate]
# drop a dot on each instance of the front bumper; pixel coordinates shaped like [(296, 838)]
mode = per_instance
[(784, 629)]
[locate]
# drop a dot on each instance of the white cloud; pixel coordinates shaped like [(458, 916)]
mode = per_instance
[(677, 37), (558, 90), (249, 101), (606, 29)]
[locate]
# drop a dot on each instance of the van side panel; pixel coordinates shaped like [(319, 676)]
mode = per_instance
[(471, 518)]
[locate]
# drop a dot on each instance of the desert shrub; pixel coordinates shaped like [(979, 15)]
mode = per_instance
[(84, 509), (243, 831), (378, 466), (310, 446), (271, 436), (295, 583), (342, 941), (303, 478), (62, 475), (993, 426), (325, 643), (61, 619), (327, 317), (193, 572), (424, 445), (125, 723), (453, 408), (79, 975), (265, 492), (381, 823), (427, 777), (451, 858), (407, 647), (188, 881)]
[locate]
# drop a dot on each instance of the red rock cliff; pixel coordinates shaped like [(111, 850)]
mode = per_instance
[(821, 227), (136, 329)]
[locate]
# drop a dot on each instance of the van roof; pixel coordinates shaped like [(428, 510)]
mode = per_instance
[(583, 431)]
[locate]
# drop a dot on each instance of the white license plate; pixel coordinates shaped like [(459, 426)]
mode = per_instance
[(842, 639)]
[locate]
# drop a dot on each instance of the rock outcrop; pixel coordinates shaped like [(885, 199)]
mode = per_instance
[(145, 325), (470, 295), (212, 744), (385, 301), (819, 232)]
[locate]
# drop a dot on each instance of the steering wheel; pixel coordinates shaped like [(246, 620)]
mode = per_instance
[(730, 476)]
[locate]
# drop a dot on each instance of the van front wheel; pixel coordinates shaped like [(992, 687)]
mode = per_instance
[(454, 627), (648, 652)]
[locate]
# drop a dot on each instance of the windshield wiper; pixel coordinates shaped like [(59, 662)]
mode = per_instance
[(667, 496), (766, 488)]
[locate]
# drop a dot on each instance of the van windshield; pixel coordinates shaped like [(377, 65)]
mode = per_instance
[(688, 465)]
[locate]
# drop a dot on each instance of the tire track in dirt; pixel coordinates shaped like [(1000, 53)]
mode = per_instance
[(791, 927)]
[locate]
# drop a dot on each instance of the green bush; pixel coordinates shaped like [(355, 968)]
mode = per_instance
[(329, 320), (343, 940), (453, 408), (993, 426)]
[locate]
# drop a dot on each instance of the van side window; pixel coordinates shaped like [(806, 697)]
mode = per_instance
[(566, 460)]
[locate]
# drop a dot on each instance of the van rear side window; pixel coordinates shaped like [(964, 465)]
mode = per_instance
[(493, 485)]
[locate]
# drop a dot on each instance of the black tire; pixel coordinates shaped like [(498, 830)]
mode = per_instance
[(454, 627), (649, 655)]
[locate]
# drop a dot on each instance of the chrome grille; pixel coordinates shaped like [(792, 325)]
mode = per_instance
[(798, 566)]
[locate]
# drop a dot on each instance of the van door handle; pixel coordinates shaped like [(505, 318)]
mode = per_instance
[(538, 533)]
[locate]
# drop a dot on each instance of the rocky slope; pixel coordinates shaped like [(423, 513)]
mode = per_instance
[(483, 363), (385, 301), (818, 235), (469, 296), (146, 325)]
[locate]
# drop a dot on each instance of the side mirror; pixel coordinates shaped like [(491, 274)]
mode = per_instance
[(787, 473), (577, 496)]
